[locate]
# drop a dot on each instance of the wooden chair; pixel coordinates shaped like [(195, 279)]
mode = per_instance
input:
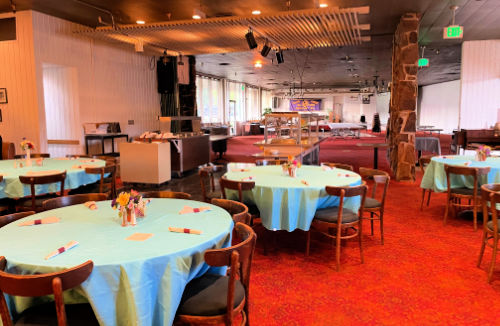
[(106, 184), (238, 211), (372, 205), (207, 176), (490, 194), (76, 156), (423, 161), (240, 186), (72, 200), (42, 285), (339, 166), (340, 218), (5, 202), (33, 155), (166, 194), (456, 195), (269, 162), (215, 299), (34, 202), (6, 219), (110, 160)]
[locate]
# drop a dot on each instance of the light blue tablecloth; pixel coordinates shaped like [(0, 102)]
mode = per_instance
[(75, 177), (285, 203), (133, 283), (435, 176)]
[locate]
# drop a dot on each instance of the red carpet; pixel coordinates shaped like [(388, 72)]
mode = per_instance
[(425, 274)]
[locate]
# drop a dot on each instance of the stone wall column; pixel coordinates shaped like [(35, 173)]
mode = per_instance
[(403, 105)]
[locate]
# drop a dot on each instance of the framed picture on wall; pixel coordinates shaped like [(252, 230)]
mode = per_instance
[(3, 96)]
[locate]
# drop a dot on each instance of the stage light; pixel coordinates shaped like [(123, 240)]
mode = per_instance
[(279, 56), (265, 50), (252, 44)]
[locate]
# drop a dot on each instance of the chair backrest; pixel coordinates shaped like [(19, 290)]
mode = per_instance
[(465, 171), (343, 192), (166, 194), (72, 200), (6, 219), (379, 177), (239, 257), (110, 160), (269, 162), (423, 161), (8, 151), (41, 285), (77, 156), (239, 211), (487, 190), (41, 180), (239, 186), (339, 165), (207, 173), (105, 182), (494, 200), (33, 155)]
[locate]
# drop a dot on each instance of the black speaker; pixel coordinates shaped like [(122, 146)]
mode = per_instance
[(252, 44), (265, 50), (279, 56), (166, 74)]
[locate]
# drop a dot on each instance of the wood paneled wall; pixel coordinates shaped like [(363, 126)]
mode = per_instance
[(480, 84)]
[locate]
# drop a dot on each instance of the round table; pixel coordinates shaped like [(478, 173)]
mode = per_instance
[(133, 282), (75, 175), (435, 176), (287, 203)]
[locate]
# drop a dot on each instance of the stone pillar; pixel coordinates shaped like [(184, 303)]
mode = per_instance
[(403, 105)]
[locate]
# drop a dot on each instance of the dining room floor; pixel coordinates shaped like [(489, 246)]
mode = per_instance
[(424, 274)]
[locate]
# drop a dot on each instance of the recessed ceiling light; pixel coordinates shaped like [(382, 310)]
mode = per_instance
[(258, 64), (323, 5), (140, 22), (196, 17), (256, 12)]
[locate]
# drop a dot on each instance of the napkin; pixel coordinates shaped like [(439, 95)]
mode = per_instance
[(248, 178), (91, 205), (188, 209), (467, 163), (39, 161), (326, 168), (58, 251), (83, 166), (240, 170), (42, 173), (182, 230), (139, 236), (347, 175), (87, 161), (304, 182), (47, 220)]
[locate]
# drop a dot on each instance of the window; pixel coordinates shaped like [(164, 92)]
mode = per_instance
[(209, 99)]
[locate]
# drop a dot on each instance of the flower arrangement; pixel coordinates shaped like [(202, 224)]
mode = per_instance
[(291, 166), (130, 205), (483, 152), (27, 144)]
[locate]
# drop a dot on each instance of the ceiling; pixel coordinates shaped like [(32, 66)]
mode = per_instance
[(323, 67)]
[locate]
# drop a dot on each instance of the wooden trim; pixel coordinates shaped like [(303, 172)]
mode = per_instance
[(63, 142)]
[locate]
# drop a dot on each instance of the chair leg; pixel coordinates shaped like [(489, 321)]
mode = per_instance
[(483, 245), (446, 210), (423, 198), (493, 258), (474, 213), (429, 198), (371, 222), (337, 249), (360, 245), (308, 242), (381, 216)]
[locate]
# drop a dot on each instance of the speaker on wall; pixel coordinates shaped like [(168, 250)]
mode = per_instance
[(276, 102), (166, 73)]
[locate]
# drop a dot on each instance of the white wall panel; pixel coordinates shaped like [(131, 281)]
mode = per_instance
[(480, 87), (439, 105), (17, 75)]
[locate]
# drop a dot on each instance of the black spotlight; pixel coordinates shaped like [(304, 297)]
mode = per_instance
[(252, 44), (265, 50), (279, 56)]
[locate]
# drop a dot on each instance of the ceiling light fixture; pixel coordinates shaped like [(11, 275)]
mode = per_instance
[(198, 14), (258, 64), (323, 5), (279, 56), (265, 49), (140, 22), (252, 44), (256, 12)]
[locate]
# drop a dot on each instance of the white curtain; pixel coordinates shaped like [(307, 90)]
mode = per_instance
[(439, 105), (209, 99), (267, 99), (254, 111)]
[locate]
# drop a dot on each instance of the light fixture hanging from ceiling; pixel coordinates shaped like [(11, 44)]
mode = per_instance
[(198, 13), (252, 44)]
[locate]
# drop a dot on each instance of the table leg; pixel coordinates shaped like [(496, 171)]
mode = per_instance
[(375, 157)]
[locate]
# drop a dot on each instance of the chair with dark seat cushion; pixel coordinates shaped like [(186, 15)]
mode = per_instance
[(423, 162), (490, 197), (339, 218), (72, 200), (455, 196), (166, 194), (34, 202), (206, 174), (6, 219), (378, 179), (42, 285), (105, 185), (212, 299)]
